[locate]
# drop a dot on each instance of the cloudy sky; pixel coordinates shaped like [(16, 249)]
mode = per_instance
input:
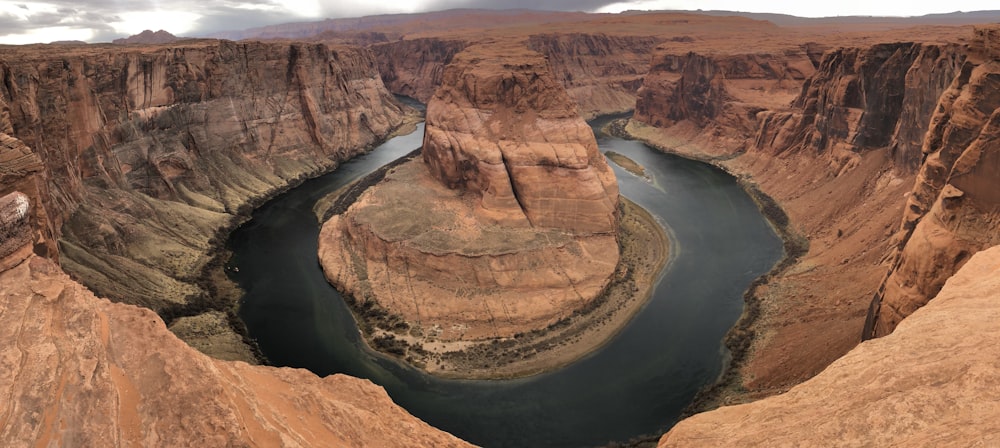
[(32, 21)]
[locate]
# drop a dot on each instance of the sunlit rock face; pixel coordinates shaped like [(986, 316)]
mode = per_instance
[(505, 224), (953, 210)]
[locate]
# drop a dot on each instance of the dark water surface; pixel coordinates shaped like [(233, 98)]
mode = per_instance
[(637, 384)]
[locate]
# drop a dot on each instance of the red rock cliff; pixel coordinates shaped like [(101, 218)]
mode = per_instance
[(415, 67), (953, 210), (148, 152), (719, 95)]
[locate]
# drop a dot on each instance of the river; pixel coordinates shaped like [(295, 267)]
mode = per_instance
[(637, 384)]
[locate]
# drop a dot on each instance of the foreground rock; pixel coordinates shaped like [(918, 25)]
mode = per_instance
[(930, 383), (83, 371), (506, 225)]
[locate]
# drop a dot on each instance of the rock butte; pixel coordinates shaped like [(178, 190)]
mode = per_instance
[(506, 225)]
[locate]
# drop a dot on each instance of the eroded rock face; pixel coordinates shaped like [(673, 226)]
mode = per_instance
[(502, 127), (601, 72), (83, 371), (953, 210), (148, 152), (415, 67), (720, 95), (929, 383), (507, 224), (863, 99)]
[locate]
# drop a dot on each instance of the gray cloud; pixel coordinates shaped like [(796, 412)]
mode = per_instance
[(226, 15)]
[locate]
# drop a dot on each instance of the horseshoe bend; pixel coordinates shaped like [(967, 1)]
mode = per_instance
[(503, 248)]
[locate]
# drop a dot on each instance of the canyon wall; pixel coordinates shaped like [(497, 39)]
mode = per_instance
[(83, 371), (932, 382), (600, 72), (953, 210), (148, 152), (839, 157), (415, 67), (506, 224), (716, 97)]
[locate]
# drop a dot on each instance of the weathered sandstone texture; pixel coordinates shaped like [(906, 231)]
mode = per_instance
[(953, 210), (930, 383), (148, 152), (507, 224), (601, 72), (838, 160), (83, 371), (415, 67), (719, 95)]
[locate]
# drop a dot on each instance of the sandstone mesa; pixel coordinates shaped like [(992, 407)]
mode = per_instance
[(507, 224)]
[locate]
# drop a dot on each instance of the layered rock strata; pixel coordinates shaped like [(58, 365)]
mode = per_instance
[(506, 224), (719, 96), (932, 382), (839, 159), (83, 371), (600, 72), (953, 210), (148, 152)]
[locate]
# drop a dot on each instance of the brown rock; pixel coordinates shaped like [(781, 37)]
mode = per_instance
[(930, 383), (953, 209), (147, 37), (82, 371), (415, 67), (506, 225), (501, 127)]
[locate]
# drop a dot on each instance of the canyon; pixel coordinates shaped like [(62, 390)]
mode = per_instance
[(873, 150)]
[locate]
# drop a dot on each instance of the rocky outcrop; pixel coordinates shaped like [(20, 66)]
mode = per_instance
[(83, 371), (501, 127), (148, 153), (22, 171), (930, 383), (508, 222), (719, 96), (953, 210), (863, 99), (601, 72), (147, 37), (415, 67)]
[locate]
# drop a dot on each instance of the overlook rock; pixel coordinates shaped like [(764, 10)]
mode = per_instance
[(507, 224)]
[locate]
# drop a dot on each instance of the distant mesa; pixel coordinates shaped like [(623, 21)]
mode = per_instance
[(147, 37)]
